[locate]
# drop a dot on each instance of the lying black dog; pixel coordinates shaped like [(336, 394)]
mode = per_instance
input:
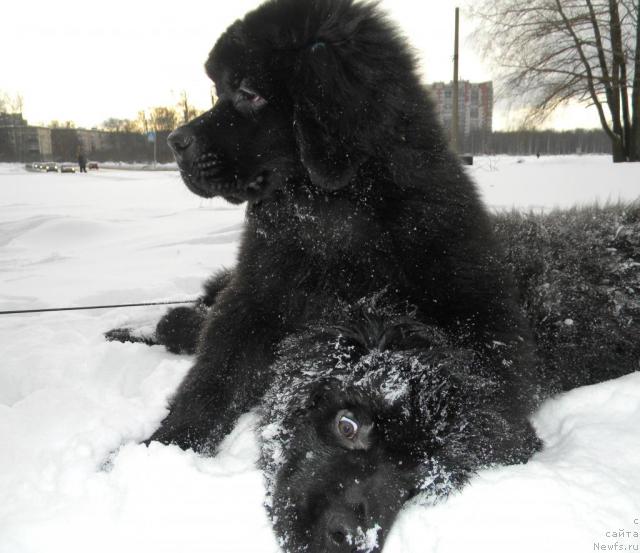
[(323, 127), (370, 407)]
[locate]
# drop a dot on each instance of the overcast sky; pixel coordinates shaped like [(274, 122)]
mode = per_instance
[(73, 60)]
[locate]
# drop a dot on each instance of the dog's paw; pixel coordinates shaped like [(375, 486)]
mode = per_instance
[(118, 335), (128, 335)]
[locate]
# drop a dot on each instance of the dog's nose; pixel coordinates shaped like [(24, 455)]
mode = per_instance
[(343, 529), (339, 538), (181, 140)]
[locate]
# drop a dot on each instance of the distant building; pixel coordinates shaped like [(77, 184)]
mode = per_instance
[(12, 119), (475, 105), (24, 143), (19, 142)]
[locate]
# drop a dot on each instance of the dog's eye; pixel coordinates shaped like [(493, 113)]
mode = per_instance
[(347, 427), (251, 97), (353, 433)]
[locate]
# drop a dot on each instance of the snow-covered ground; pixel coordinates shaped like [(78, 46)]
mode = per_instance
[(69, 400)]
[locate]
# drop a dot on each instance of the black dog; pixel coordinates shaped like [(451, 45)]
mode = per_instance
[(369, 407), (323, 127)]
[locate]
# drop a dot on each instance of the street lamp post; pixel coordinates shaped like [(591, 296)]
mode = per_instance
[(455, 114)]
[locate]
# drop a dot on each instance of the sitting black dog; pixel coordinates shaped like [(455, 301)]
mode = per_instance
[(323, 127)]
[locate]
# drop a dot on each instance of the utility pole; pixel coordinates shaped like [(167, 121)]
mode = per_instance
[(456, 115)]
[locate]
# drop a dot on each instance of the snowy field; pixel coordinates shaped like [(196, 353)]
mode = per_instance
[(72, 407)]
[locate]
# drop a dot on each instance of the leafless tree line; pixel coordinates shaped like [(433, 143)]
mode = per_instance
[(532, 142), (157, 119)]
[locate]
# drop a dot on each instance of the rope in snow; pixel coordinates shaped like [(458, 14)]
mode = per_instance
[(87, 307)]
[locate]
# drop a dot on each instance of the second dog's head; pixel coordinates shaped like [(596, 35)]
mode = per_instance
[(367, 411)]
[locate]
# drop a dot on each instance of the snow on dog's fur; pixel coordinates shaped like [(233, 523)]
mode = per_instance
[(366, 410), (423, 415)]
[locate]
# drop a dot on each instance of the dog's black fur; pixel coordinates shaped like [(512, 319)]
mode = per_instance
[(429, 412), (579, 275), (323, 127), (178, 330), (431, 416)]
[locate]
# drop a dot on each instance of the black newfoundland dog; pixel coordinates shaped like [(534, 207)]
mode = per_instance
[(323, 128), (369, 407)]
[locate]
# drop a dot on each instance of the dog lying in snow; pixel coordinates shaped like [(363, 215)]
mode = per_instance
[(369, 406)]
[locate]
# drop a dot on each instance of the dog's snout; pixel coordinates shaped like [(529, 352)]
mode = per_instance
[(340, 534), (181, 140), (344, 526), (339, 538)]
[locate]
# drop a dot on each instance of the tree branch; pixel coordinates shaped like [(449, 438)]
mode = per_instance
[(603, 120)]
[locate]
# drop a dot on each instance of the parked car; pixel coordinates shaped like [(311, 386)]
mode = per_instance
[(43, 166), (92, 165)]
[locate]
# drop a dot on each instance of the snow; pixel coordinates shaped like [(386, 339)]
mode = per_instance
[(556, 181), (583, 484), (365, 540), (73, 407)]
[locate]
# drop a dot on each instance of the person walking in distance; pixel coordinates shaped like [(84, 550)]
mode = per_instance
[(82, 161)]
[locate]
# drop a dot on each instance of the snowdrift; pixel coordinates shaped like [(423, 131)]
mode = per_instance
[(72, 407)]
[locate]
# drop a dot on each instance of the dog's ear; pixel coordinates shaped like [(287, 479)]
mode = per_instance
[(328, 112), (348, 82)]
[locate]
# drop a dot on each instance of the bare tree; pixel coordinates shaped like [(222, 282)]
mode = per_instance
[(162, 118), (187, 111), (143, 122), (114, 124), (11, 104), (552, 52), (56, 124), (17, 103)]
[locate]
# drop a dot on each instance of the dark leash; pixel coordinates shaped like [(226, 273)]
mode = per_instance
[(87, 307)]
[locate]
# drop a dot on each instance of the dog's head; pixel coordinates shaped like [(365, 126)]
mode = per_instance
[(365, 413), (308, 91)]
